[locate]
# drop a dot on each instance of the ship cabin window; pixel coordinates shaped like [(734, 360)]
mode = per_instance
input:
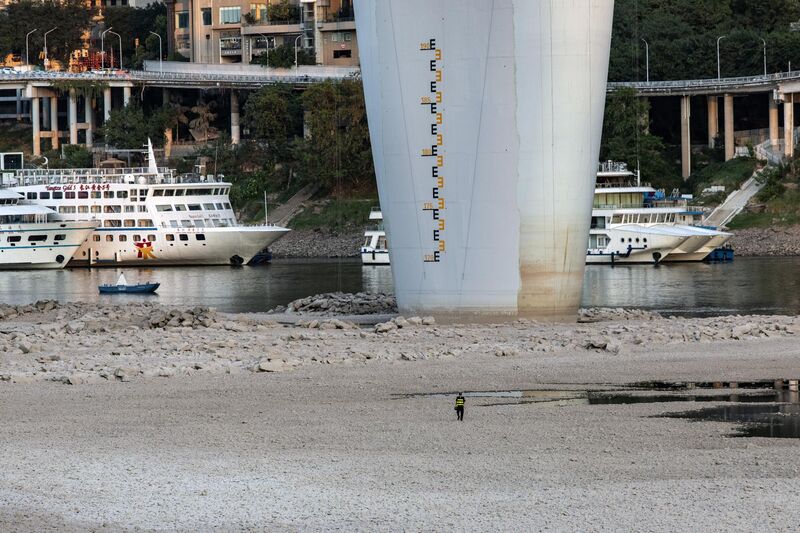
[(108, 194), (112, 223), (137, 238), (133, 193), (146, 222), (367, 241), (141, 209), (622, 240), (44, 196), (180, 207), (200, 236), (37, 238), (112, 209), (58, 195), (195, 207), (381, 243), (227, 205), (180, 192), (645, 239), (128, 223), (109, 238), (158, 192), (162, 208), (173, 223), (169, 192), (187, 223), (96, 209), (151, 238), (208, 207), (96, 238), (31, 196), (83, 195), (14, 238), (123, 238), (66, 209), (122, 194), (96, 195), (130, 208), (83, 209), (220, 206), (170, 237), (69, 195), (183, 237)]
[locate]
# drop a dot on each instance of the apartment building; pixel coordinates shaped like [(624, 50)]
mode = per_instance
[(238, 31)]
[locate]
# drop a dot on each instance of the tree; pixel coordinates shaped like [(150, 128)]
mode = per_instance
[(128, 128), (136, 23), (178, 115), (201, 125), (283, 57), (273, 116)]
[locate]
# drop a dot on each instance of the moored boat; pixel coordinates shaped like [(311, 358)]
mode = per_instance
[(375, 250), (123, 287)]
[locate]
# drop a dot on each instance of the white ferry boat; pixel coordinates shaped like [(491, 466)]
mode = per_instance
[(375, 250), (29, 239), (635, 223), (146, 216)]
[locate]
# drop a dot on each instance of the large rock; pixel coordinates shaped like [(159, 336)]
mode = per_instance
[(75, 326)]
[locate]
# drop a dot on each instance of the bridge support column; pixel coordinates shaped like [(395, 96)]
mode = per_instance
[(72, 117), (686, 138), (774, 124), (37, 138), (730, 149), (713, 120), (88, 111), (106, 103), (235, 132), (788, 124), (54, 122), (126, 96)]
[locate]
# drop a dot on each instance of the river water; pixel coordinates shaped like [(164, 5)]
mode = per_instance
[(748, 285)]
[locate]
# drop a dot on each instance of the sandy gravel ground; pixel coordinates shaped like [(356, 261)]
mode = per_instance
[(340, 445)]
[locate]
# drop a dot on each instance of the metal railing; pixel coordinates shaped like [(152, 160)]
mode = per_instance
[(705, 84)]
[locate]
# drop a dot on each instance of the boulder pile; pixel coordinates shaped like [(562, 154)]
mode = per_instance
[(339, 303), (177, 318), (13, 311)]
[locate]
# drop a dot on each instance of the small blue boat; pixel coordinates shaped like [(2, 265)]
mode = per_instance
[(122, 287)]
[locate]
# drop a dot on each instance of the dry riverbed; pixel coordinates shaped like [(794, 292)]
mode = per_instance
[(141, 416)]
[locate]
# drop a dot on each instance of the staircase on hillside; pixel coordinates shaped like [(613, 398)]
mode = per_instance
[(735, 202), (284, 213)]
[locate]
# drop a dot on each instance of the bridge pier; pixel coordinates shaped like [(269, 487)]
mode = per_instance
[(774, 123), (235, 131), (106, 104), (72, 116), (713, 120), (37, 138), (88, 112), (730, 149), (788, 124), (54, 122), (686, 136), (126, 96)]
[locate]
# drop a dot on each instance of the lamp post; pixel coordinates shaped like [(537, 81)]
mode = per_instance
[(765, 56), (103, 48), (120, 47), (160, 53), (647, 59), (45, 44), (27, 62), (295, 49), (266, 40), (719, 69)]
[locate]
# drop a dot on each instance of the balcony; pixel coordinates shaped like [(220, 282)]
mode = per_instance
[(230, 46)]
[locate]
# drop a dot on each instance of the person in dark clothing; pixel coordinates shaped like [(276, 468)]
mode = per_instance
[(460, 406)]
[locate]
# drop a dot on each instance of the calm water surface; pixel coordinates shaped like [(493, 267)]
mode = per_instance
[(748, 285)]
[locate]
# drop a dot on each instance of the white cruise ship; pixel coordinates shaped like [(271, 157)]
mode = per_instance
[(30, 239), (635, 223), (146, 216)]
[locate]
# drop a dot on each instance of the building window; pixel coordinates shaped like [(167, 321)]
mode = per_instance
[(230, 15), (342, 54), (258, 11), (206, 12), (182, 20)]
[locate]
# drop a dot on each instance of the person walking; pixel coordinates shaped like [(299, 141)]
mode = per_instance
[(460, 406)]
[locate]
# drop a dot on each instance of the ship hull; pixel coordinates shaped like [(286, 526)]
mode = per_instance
[(62, 240)]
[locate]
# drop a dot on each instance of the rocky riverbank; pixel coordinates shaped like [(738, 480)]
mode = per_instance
[(309, 244), (772, 241)]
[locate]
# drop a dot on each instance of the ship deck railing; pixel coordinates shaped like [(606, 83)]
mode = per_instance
[(132, 175)]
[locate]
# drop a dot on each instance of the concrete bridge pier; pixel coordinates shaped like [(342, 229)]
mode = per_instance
[(88, 112), (788, 124), (35, 122), (54, 122), (730, 149), (774, 123), (126, 95), (235, 130), (72, 116), (686, 139), (106, 103), (713, 120)]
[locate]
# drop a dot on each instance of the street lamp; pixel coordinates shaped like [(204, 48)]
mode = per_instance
[(765, 56), (719, 70), (103, 48), (266, 40), (295, 49), (647, 58), (27, 62), (45, 44), (120, 47), (160, 53)]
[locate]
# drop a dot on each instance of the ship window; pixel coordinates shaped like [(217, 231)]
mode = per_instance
[(83, 209), (227, 205), (637, 239), (180, 192), (141, 209), (69, 195), (180, 207), (142, 192), (96, 209), (60, 237), (367, 241), (133, 192), (622, 240), (58, 195), (123, 238), (158, 192), (97, 194), (112, 223), (83, 195), (195, 207), (14, 238), (112, 209), (108, 194), (146, 222), (137, 238), (220, 207), (151, 238), (122, 194), (187, 223), (96, 238), (381, 243), (208, 207), (163, 208), (44, 196), (199, 224), (128, 223), (67, 209), (173, 223), (109, 238), (183, 237), (169, 192), (37, 238), (170, 237), (31, 196), (200, 236)]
